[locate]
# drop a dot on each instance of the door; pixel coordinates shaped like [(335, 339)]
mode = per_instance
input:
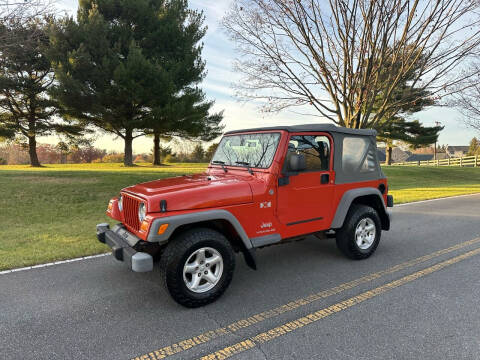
[(305, 197)]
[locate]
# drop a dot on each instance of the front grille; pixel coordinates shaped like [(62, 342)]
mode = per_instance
[(130, 212)]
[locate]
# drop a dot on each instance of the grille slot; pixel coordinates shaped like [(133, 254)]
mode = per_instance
[(130, 212)]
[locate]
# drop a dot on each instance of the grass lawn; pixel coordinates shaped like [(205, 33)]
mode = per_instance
[(50, 213), (409, 184)]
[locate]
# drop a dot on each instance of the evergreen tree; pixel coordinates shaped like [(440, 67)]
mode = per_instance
[(210, 151), (186, 113), (409, 99), (185, 116), (198, 153), (411, 132), (122, 61), (25, 77)]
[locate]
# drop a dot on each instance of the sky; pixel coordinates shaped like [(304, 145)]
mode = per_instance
[(219, 54)]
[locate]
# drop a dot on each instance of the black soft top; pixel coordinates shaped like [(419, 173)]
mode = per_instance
[(310, 127)]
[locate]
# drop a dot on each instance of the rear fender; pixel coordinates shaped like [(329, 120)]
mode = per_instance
[(368, 196)]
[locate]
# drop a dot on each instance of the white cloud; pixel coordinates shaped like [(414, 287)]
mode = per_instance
[(222, 91), (68, 6), (214, 10)]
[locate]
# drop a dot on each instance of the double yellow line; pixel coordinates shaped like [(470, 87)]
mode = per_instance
[(323, 313), (205, 337)]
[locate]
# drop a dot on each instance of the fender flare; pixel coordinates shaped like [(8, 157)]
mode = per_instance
[(346, 201), (178, 220)]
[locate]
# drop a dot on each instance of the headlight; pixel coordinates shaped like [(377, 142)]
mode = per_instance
[(120, 203), (142, 211)]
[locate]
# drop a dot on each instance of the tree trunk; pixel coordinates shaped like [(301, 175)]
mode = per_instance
[(32, 151), (156, 150), (128, 156), (388, 155)]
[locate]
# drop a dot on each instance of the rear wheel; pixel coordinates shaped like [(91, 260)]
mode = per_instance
[(360, 234), (197, 266)]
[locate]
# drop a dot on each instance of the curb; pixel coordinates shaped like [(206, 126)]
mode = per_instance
[(53, 263)]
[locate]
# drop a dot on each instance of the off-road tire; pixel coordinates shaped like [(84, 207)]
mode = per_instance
[(346, 234), (175, 256)]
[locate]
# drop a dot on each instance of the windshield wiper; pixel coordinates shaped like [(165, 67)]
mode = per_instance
[(221, 163), (245, 164)]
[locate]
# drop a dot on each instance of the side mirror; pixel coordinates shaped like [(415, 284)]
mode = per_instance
[(296, 163)]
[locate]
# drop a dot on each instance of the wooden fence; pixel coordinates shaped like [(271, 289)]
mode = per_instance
[(467, 161)]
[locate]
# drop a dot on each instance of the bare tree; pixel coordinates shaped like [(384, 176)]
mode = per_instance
[(340, 56), (15, 13), (467, 99), (22, 10)]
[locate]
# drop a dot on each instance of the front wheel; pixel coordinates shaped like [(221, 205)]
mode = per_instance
[(197, 266), (360, 234)]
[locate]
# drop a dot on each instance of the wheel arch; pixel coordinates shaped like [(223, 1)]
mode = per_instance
[(366, 196), (222, 221)]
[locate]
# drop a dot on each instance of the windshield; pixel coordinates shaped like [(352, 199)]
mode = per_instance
[(255, 150)]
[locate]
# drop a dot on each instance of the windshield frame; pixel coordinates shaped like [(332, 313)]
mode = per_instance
[(280, 133)]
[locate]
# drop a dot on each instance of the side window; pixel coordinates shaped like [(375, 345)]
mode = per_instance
[(316, 150), (358, 155)]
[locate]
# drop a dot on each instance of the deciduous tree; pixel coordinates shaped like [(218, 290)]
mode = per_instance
[(21, 12), (466, 98), (336, 57), (474, 148)]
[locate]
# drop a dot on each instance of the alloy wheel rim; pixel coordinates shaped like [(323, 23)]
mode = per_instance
[(365, 233), (203, 269)]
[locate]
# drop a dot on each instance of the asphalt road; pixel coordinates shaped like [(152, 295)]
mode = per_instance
[(418, 297)]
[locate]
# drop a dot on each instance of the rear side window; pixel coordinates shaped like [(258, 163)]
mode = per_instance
[(316, 150), (358, 155)]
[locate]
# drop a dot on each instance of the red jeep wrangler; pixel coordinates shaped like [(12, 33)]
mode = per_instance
[(263, 186)]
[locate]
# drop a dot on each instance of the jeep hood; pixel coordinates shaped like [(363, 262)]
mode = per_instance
[(194, 192)]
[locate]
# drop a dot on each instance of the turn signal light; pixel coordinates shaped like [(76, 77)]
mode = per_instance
[(144, 226), (162, 229)]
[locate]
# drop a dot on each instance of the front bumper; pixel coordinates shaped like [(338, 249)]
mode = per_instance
[(123, 250)]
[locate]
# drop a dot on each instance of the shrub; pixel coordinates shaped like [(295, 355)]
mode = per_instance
[(86, 154), (14, 154), (113, 158), (148, 158), (198, 154), (169, 158)]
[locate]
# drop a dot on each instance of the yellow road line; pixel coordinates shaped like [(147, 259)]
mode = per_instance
[(333, 309), (205, 337)]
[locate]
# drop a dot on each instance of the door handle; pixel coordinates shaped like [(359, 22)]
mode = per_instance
[(324, 178)]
